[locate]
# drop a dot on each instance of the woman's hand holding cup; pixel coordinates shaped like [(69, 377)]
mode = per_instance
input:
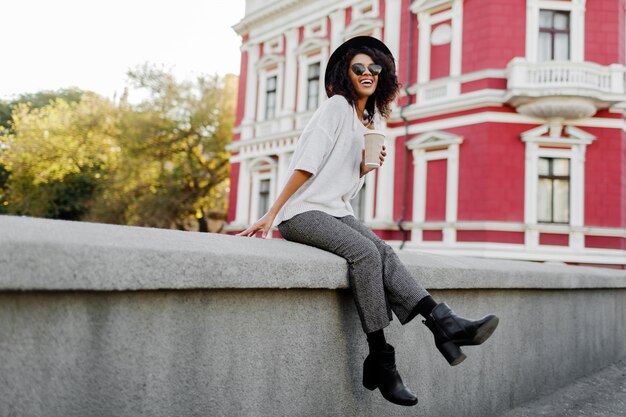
[(365, 169)]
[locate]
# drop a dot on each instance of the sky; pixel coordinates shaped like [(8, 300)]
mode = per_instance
[(91, 44)]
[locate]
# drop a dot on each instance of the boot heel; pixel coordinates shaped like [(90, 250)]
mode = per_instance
[(453, 354), (369, 379)]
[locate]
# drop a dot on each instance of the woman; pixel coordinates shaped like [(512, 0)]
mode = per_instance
[(327, 171)]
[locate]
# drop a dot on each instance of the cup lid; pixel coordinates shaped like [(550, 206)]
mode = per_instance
[(376, 132)]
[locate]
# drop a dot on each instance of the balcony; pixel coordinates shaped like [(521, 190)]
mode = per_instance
[(563, 89)]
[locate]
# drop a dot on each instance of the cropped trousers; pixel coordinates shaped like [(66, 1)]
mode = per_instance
[(380, 283)]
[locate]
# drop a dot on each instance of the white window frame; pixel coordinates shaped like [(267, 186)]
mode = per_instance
[(264, 74), (364, 26), (429, 13), (358, 13), (447, 145), (311, 51), (273, 46), (572, 147), (256, 165), (576, 9), (321, 23)]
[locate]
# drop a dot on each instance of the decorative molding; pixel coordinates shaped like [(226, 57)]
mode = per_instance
[(274, 46), (559, 107), (431, 6), (442, 35), (260, 147), (364, 26), (423, 151), (494, 117), (360, 9), (269, 60), (434, 139), (266, 13), (310, 29), (427, 16), (572, 148), (550, 134), (311, 44)]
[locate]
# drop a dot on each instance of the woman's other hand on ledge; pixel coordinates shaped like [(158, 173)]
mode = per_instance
[(264, 224)]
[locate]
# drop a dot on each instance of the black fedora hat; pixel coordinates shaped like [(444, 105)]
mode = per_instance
[(355, 42)]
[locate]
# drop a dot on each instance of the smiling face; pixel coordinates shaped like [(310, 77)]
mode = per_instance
[(364, 84)]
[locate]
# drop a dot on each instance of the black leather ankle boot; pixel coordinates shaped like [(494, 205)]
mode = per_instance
[(452, 331), (379, 371)]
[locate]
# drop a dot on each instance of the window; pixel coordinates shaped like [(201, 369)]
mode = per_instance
[(264, 197), (554, 35), (270, 98), (358, 204), (313, 86), (553, 190)]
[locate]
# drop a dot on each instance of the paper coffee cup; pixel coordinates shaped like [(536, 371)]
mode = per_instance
[(374, 140)]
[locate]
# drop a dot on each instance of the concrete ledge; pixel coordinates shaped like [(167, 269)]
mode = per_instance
[(175, 323), (64, 255)]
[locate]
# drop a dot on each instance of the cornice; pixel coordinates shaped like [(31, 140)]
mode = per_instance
[(267, 12), (429, 5)]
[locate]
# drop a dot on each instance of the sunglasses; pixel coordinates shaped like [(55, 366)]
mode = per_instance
[(359, 69)]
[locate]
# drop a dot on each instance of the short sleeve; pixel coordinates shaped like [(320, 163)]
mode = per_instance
[(320, 134), (313, 149)]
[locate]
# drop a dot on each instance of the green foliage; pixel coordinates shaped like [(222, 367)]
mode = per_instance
[(56, 154), (37, 100), (160, 163)]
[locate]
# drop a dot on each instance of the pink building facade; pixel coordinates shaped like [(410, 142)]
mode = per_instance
[(507, 141)]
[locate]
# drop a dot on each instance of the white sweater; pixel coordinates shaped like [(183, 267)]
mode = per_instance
[(330, 148)]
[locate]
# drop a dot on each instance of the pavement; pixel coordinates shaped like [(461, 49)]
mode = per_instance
[(602, 394)]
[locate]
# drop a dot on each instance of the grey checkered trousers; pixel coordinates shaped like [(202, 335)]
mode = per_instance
[(380, 283)]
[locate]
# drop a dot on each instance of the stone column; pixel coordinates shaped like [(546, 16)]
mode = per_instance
[(289, 74), (243, 193)]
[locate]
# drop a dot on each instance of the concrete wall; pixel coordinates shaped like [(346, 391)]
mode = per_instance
[(102, 320)]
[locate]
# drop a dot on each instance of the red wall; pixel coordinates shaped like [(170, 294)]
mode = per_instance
[(604, 31), (622, 177), (404, 47), (493, 33), (436, 190), (241, 92), (604, 167), (399, 183), (491, 172)]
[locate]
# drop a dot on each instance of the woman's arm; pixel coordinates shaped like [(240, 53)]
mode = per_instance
[(264, 224)]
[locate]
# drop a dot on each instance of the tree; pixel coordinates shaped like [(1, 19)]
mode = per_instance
[(56, 155), (35, 101), (160, 163), (174, 167)]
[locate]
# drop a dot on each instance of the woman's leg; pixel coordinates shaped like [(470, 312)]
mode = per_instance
[(321, 230), (450, 330), (403, 291)]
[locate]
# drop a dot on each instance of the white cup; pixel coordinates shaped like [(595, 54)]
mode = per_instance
[(374, 141)]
